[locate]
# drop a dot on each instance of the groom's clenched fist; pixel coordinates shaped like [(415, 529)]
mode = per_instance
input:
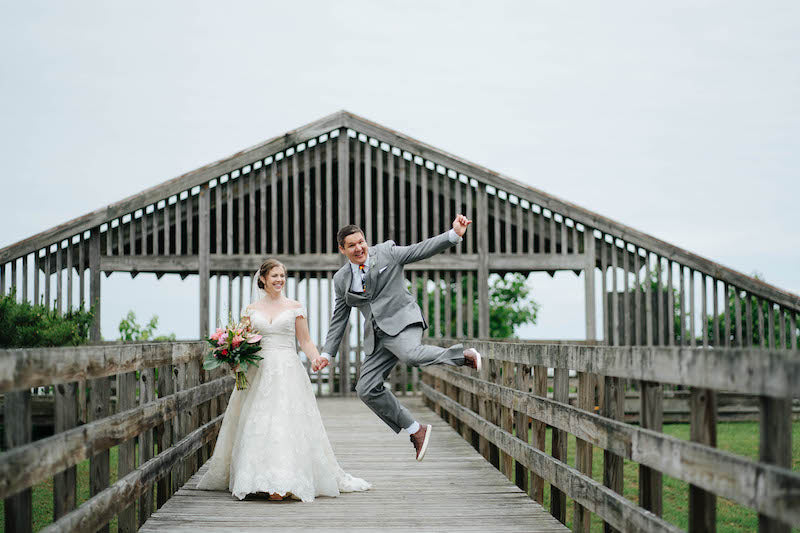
[(318, 363), (460, 225)]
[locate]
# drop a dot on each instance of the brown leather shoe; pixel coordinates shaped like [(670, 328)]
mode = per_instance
[(420, 440), (472, 358)]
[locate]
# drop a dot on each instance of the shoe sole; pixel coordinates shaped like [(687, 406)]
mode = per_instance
[(478, 361), (425, 442)]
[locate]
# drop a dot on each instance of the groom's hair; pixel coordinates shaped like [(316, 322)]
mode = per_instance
[(348, 230)]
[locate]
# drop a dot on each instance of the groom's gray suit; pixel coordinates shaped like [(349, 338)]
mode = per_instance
[(393, 323)]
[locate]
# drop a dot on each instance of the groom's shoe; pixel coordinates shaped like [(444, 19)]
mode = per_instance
[(420, 440), (472, 358)]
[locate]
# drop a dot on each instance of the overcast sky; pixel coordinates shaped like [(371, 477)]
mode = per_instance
[(680, 119)]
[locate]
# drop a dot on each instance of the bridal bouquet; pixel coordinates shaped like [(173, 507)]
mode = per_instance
[(237, 345)]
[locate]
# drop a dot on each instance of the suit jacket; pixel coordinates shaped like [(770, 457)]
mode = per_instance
[(386, 299)]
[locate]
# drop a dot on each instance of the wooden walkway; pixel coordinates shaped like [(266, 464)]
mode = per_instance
[(453, 489)]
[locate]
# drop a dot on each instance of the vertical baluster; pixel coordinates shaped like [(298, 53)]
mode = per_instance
[(17, 413), (251, 178), (703, 429), (613, 407), (273, 206), (178, 225), (727, 290), (615, 329), (146, 395), (59, 278), (748, 310), (539, 431), (670, 319), (692, 305), (762, 335), (581, 521), (402, 199), (391, 161), (437, 307), (716, 319), (263, 220), (99, 403), (770, 324), (369, 208), (48, 265), (782, 318), (25, 278), (317, 213), (636, 294), (69, 274), (380, 194), (36, 276), (662, 320), (737, 307), (558, 499), (648, 300), (296, 164), (65, 396), (683, 311), (604, 288), (626, 307), (704, 309), (126, 452)]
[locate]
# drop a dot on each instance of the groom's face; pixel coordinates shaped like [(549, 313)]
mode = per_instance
[(355, 248)]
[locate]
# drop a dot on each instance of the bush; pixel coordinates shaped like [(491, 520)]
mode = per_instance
[(23, 325)]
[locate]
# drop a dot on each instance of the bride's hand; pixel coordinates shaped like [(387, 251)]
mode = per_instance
[(318, 364)]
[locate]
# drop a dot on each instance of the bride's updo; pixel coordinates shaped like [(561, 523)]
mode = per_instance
[(266, 266)]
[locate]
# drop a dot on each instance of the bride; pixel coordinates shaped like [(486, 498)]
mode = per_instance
[(272, 440)]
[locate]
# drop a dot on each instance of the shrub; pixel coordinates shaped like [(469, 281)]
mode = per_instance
[(23, 325)]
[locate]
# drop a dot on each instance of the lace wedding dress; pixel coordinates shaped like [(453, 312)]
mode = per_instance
[(272, 439)]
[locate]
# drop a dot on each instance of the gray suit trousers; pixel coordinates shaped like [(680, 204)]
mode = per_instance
[(404, 347)]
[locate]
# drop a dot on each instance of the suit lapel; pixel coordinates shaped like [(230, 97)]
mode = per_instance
[(372, 278)]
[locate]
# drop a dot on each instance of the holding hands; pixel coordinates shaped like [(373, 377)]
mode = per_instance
[(318, 363), (460, 225)]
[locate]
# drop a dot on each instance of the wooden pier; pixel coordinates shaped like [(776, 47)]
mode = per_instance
[(453, 489)]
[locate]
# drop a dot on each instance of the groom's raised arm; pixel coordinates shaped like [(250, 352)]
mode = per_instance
[(341, 313), (434, 245)]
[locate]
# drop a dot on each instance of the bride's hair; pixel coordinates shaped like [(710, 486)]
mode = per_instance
[(266, 266)]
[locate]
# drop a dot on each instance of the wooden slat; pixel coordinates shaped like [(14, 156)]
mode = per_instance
[(581, 521), (770, 325), (604, 288), (775, 447), (615, 325), (66, 418), (204, 245), (652, 416), (538, 431), (48, 263), (146, 395), (94, 283), (737, 307), (558, 499), (37, 275), (482, 227), (126, 454), (728, 313), (692, 310), (17, 507), (703, 429), (99, 468), (670, 330), (263, 246), (626, 311), (296, 165), (589, 285), (273, 208), (748, 310), (613, 408), (59, 278), (704, 310), (250, 228), (69, 253), (343, 178), (369, 205), (317, 214)]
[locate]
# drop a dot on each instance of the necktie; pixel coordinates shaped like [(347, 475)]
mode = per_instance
[(362, 270)]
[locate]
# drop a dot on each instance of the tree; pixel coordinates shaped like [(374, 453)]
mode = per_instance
[(130, 330), (510, 304)]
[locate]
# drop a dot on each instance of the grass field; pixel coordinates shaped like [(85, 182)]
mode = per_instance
[(740, 438)]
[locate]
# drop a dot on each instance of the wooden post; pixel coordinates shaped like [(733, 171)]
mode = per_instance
[(588, 283), (66, 417), (581, 521), (18, 431), (126, 452), (651, 417), (703, 422), (483, 262), (343, 178), (204, 249), (613, 407), (94, 281), (775, 447), (558, 499), (99, 402), (539, 432)]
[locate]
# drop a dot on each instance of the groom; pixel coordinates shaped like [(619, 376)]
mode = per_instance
[(373, 280)]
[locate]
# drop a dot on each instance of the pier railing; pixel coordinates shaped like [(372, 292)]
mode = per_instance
[(167, 414), (505, 410)]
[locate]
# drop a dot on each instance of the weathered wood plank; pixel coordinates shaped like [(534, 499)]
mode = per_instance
[(25, 368), (558, 499), (99, 509), (775, 447), (17, 507), (612, 507), (66, 418), (773, 373), (99, 408), (126, 453), (728, 475), (652, 416), (703, 429), (146, 452)]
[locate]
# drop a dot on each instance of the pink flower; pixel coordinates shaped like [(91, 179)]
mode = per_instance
[(217, 334), (236, 341), (252, 339)]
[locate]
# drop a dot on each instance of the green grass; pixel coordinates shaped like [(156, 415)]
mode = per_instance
[(42, 496), (740, 438)]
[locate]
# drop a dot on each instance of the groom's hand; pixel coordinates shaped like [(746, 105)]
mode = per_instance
[(319, 363), (460, 225)]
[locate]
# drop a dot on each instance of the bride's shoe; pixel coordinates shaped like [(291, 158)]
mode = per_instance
[(275, 497)]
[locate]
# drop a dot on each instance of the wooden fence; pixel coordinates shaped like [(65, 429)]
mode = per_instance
[(505, 410), (168, 412)]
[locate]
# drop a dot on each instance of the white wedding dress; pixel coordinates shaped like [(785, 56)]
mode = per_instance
[(272, 439)]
